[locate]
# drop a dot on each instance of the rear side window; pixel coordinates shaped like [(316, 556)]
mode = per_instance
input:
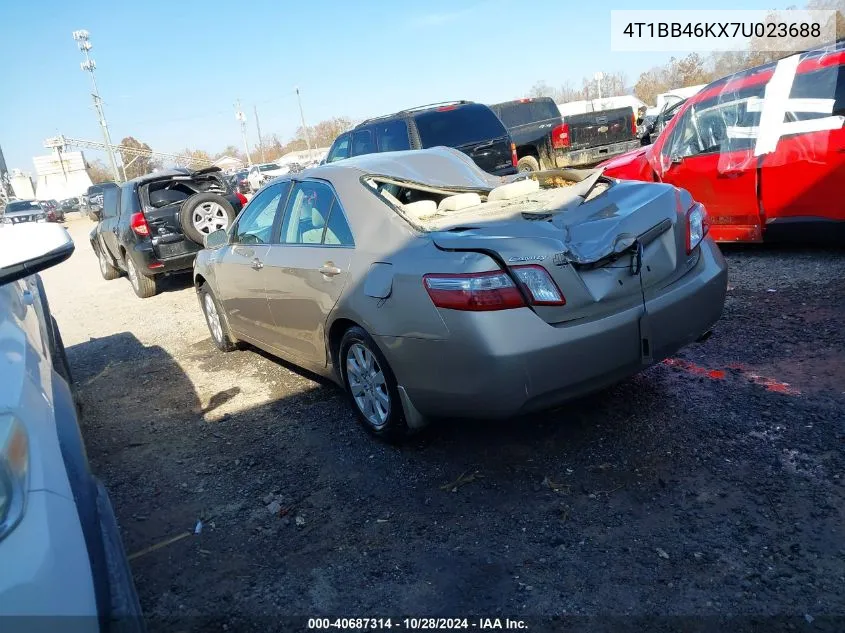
[(111, 197), (362, 142), (454, 126), (127, 199), (313, 216), (340, 149), (825, 83), (392, 136), (515, 113)]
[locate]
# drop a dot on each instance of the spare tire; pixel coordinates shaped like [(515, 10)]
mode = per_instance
[(205, 213)]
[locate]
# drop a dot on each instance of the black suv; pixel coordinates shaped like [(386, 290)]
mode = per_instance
[(154, 225), (472, 128)]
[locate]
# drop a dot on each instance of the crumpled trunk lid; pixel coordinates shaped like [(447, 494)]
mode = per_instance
[(602, 253)]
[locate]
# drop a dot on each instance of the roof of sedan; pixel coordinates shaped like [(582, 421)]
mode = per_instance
[(440, 166)]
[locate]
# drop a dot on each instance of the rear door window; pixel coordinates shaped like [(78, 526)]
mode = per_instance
[(127, 195), (362, 142), (455, 126), (110, 202), (825, 83), (392, 136)]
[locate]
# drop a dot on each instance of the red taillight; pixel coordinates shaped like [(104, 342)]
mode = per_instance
[(514, 157), (634, 124), (446, 108), (560, 136), (241, 197), (138, 224), (476, 292), (539, 285), (525, 100)]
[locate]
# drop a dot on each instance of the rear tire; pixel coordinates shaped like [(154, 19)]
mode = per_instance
[(203, 214), (528, 163), (371, 386), (217, 327), (108, 271), (145, 287)]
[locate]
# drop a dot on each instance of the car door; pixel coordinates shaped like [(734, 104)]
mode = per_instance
[(710, 153), (109, 221), (802, 180), (308, 268), (239, 271)]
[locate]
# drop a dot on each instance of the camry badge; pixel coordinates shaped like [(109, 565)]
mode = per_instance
[(527, 258)]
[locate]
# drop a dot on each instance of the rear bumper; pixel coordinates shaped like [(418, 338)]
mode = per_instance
[(500, 364), (592, 155), (147, 262)]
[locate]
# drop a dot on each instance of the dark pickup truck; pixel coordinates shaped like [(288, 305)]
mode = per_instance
[(545, 140)]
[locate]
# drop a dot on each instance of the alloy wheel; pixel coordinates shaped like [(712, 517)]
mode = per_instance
[(209, 217), (213, 318), (367, 384)]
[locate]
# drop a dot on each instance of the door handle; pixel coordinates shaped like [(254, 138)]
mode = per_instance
[(257, 264), (329, 269), (729, 174)]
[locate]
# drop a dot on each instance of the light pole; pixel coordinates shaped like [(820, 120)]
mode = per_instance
[(83, 40), (304, 127), (240, 116)]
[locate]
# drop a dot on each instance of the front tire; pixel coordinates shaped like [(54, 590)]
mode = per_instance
[(371, 386), (220, 335), (527, 163), (145, 287)]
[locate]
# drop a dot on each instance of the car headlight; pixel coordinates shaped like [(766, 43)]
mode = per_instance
[(14, 473), (698, 224)]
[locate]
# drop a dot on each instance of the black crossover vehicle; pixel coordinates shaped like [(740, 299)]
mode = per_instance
[(472, 128), (154, 225)]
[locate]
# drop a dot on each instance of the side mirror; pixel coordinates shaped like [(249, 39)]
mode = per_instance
[(30, 247), (216, 239), (676, 159)]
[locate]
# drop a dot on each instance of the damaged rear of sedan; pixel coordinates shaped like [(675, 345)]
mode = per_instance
[(429, 288)]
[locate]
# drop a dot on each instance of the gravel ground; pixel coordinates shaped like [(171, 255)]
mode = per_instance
[(710, 486)]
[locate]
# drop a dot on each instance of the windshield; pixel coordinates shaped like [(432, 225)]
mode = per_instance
[(270, 167), (456, 126), (24, 205)]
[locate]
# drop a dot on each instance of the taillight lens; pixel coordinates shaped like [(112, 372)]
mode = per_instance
[(514, 158), (138, 224), (539, 284), (560, 136), (476, 292), (241, 198), (698, 224), (634, 124)]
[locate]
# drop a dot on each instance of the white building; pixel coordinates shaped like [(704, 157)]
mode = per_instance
[(229, 163), (60, 175), (22, 185)]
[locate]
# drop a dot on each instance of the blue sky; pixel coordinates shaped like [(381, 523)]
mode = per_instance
[(170, 72)]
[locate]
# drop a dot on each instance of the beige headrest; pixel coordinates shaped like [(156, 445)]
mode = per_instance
[(513, 190), (459, 201), (317, 219)]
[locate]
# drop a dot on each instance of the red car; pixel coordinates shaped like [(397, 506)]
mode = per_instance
[(763, 150)]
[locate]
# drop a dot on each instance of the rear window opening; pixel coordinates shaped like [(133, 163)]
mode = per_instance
[(431, 208), (458, 126), (165, 192)]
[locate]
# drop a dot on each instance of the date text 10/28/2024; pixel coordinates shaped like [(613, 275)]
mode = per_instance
[(429, 624)]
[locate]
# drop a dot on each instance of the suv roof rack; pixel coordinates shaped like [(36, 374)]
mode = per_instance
[(414, 109)]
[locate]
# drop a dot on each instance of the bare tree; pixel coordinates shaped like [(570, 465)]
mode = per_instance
[(138, 164), (98, 172)]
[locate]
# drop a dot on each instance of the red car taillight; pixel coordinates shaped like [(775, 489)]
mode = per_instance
[(138, 224), (494, 290), (560, 136), (242, 198), (514, 157), (477, 292), (634, 124)]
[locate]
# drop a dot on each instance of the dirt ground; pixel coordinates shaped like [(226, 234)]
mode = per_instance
[(709, 486)]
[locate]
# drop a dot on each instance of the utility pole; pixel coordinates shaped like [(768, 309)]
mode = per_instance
[(258, 127), (304, 127), (240, 116), (83, 40)]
